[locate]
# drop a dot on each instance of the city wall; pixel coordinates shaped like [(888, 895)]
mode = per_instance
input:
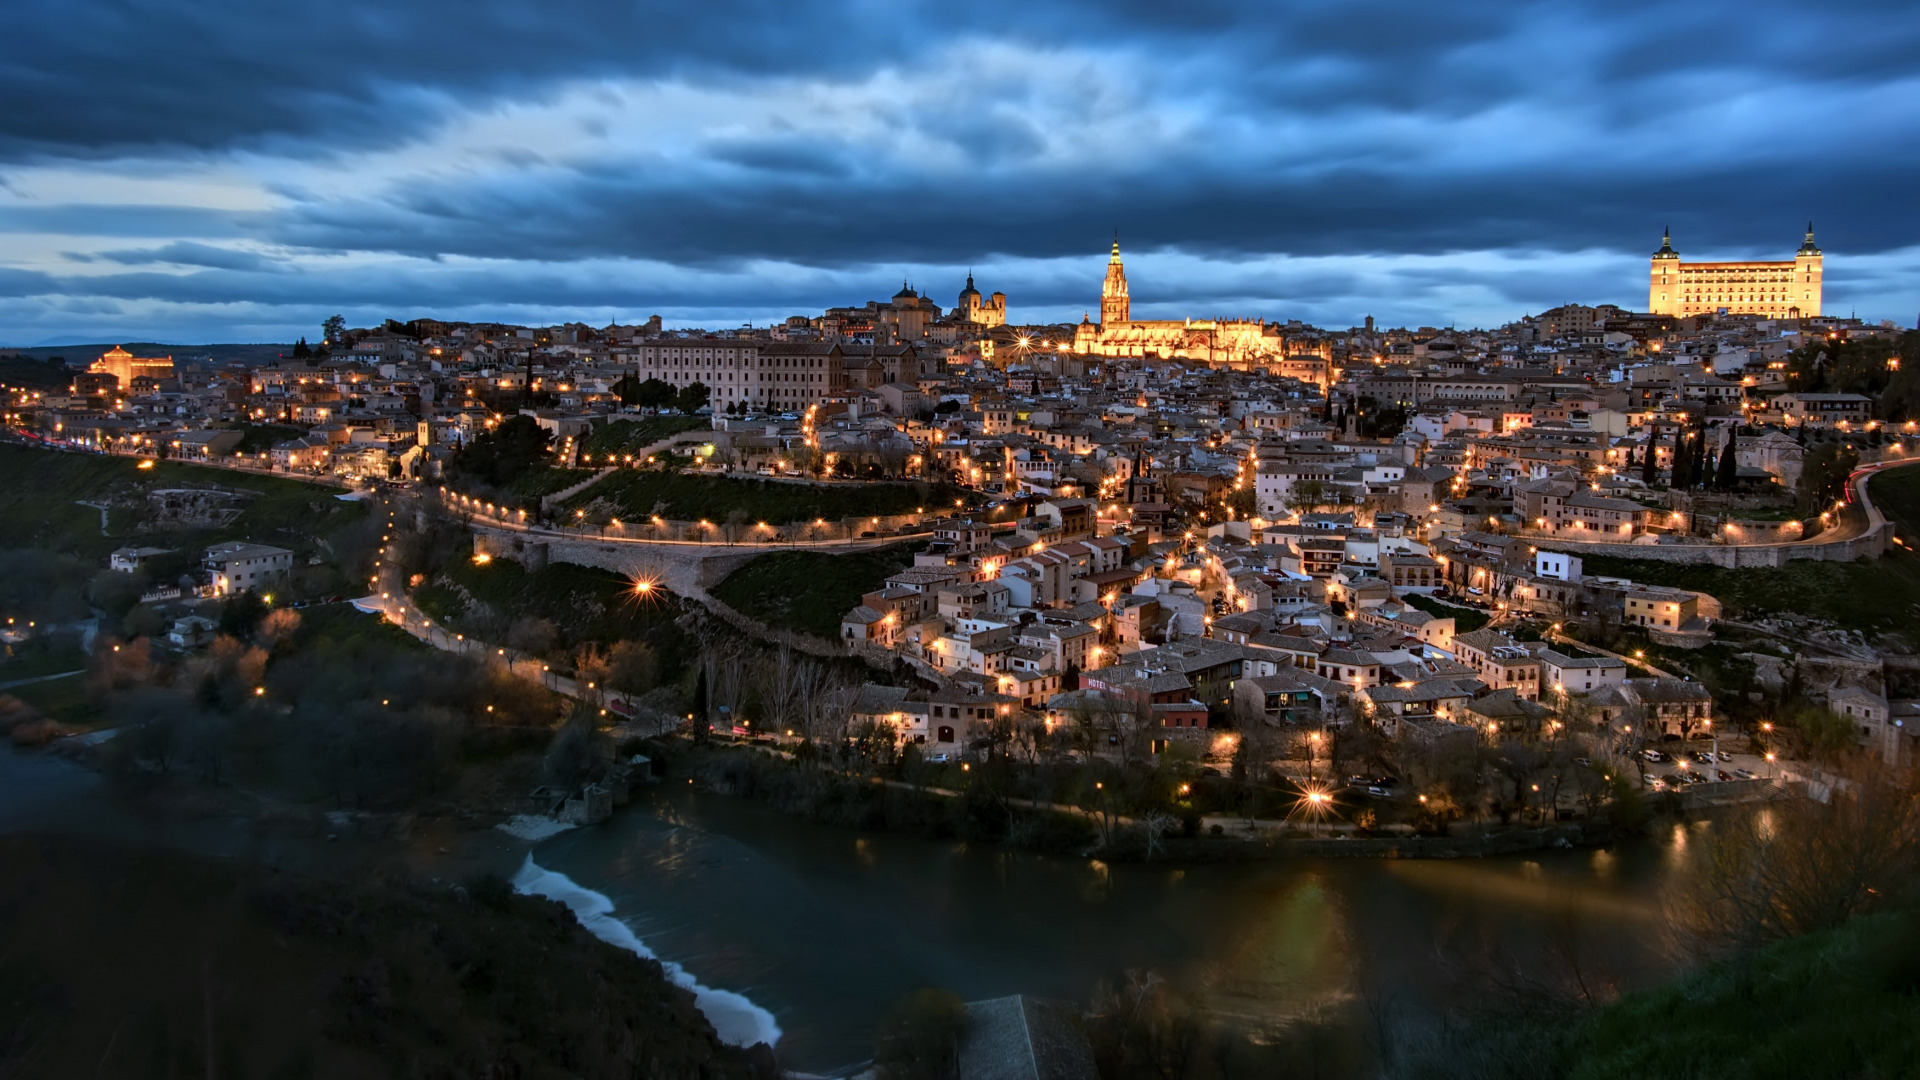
[(1870, 545)]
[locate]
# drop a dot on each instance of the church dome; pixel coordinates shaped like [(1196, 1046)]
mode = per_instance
[(906, 293)]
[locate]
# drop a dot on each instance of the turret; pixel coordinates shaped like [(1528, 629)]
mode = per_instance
[(1663, 282)]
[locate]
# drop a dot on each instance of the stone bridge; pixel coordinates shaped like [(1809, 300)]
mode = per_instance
[(683, 568)]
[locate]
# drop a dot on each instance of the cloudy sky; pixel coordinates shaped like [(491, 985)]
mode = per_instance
[(236, 170)]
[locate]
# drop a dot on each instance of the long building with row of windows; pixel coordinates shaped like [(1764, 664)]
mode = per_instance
[(1787, 289), (772, 375)]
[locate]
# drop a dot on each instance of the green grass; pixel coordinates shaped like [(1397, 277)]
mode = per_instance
[(64, 700), (584, 603), (540, 482), (1840, 1003), (639, 494), (632, 436), (809, 591), (43, 487), (1465, 620), (42, 656), (261, 438), (343, 627)]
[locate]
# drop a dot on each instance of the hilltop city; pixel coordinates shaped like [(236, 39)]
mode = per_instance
[(1208, 531), (1126, 589)]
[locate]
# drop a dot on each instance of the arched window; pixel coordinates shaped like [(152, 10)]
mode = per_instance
[(946, 734)]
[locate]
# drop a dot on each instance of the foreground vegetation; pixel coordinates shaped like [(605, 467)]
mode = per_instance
[(809, 591), (127, 962)]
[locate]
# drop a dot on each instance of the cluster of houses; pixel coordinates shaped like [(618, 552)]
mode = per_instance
[(1315, 621)]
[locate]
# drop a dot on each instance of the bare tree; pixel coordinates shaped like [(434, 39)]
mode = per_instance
[(1798, 865)]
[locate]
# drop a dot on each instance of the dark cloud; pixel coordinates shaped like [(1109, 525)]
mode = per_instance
[(1217, 130), (184, 253)]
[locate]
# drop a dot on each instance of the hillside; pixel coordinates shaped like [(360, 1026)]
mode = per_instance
[(1833, 1005), (139, 963)]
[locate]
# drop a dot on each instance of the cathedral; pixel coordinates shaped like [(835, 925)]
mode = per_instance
[(1242, 344)]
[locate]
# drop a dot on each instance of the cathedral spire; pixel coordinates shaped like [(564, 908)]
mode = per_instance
[(1116, 247)]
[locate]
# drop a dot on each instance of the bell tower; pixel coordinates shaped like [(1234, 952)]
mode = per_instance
[(1114, 306)]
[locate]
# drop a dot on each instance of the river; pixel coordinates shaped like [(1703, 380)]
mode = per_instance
[(804, 935), (810, 933)]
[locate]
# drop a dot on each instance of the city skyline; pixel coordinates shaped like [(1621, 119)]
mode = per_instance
[(241, 174)]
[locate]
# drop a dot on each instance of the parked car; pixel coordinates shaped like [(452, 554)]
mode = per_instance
[(1703, 757), (1653, 755), (1724, 774), (1744, 774), (1379, 791), (1726, 755), (939, 759)]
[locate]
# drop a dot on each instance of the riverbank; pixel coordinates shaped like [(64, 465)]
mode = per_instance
[(983, 812), (132, 960)]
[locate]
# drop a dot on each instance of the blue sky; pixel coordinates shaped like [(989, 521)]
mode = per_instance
[(236, 170)]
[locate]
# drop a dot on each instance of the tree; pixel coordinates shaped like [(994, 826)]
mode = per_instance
[(241, 613), (1307, 494), (497, 458), (632, 667), (1650, 465), (333, 329), (1728, 474), (653, 394), (1677, 474), (1823, 473), (301, 351), (578, 754), (693, 397)]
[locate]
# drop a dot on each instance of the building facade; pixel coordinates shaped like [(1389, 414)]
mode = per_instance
[(1243, 344), (126, 367), (1788, 289), (763, 375)]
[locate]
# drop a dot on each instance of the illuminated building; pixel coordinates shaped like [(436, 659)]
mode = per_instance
[(1788, 289), (1234, 343), (127, 367)]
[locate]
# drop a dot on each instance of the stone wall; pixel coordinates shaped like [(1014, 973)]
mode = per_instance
[(1734, 556)]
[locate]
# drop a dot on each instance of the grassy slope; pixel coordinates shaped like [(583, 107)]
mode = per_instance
[(809, 591), (629, 436), (1465, 620), (1879, 594), (1842, 1003), (126, 962), (586, 604), (39, 500), (642, 493)]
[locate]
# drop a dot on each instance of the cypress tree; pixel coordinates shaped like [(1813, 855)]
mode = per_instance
[(1729, 471), (1649, 465), (1677, 475)]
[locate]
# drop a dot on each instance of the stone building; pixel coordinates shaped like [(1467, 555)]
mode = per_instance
[(1787, 289)]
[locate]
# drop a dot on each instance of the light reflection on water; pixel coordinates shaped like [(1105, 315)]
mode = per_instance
[(827, 927)]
